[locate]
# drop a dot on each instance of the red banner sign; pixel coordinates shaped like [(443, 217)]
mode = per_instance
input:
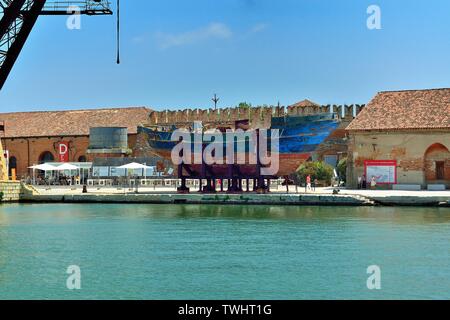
[(63, 151)]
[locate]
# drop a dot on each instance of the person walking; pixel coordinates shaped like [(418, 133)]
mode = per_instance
[(315, 183), (308, 183), (373, 183), (364, 182), (359, 182)]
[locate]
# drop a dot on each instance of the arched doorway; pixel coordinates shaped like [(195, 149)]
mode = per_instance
[(45, 157), (437, 164)]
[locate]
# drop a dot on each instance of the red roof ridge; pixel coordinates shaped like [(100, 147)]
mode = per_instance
[(77, 110), (305, 103), (413, 90)]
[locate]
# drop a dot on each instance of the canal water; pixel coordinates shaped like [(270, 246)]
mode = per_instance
[(223, 252)]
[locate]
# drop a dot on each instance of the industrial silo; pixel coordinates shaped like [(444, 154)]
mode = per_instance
[(108, 142)]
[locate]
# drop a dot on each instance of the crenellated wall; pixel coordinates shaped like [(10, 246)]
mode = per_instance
[(259, 116)]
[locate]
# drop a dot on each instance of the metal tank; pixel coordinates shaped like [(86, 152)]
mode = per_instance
[(108, 138), (108, 142)]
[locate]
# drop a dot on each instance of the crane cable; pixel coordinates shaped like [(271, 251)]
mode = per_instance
[(118, 31)]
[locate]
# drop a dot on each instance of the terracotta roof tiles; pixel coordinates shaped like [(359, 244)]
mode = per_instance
[(305, 103), (72, 122), (405, 110)]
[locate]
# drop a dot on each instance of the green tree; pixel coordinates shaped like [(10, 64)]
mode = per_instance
[(245, 105), (317, 170)]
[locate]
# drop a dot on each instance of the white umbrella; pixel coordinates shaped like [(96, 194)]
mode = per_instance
[(135, 165), (67, 166), (43, 167)]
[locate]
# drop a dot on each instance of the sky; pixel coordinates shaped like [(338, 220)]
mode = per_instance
[(176, 54)]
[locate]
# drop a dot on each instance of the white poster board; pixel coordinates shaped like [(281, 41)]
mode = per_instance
[(385, 172)]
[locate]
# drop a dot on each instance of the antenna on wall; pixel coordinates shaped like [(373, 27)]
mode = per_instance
[(215, 100)]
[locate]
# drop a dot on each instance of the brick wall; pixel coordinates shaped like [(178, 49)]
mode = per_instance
[(10, 191)]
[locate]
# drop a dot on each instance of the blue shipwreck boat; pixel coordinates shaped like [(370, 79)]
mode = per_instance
[(299, 137)]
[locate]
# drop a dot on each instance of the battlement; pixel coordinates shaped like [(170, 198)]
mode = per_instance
[(258, 116)]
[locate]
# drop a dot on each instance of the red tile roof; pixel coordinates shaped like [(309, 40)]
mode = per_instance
[(305, 103), (71, 123), (405, 110)]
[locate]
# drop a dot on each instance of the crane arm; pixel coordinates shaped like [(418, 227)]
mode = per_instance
[(89, 7), (16, 35), (18, 18)]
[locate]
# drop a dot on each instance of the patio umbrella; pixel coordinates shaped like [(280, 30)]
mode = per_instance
[(67, 166), (43, 167), (134, 166)]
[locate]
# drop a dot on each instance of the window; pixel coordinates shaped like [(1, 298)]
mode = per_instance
[(331, 160), (46, 157)]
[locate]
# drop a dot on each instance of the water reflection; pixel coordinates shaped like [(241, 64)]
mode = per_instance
[(66, 213)]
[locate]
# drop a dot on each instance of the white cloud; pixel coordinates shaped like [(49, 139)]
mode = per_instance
[(212, 31)]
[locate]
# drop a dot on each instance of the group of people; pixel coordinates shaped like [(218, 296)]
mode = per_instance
[(362, 182), (61, 180)]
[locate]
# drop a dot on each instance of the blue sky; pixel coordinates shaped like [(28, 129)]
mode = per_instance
[(177, 54)]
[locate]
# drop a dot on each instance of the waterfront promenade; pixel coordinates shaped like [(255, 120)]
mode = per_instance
[(280, 196)]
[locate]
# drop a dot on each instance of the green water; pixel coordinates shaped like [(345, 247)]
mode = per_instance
[(223, 252)]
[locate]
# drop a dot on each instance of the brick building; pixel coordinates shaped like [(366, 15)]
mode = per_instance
[(402, 137), (35, 137)]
